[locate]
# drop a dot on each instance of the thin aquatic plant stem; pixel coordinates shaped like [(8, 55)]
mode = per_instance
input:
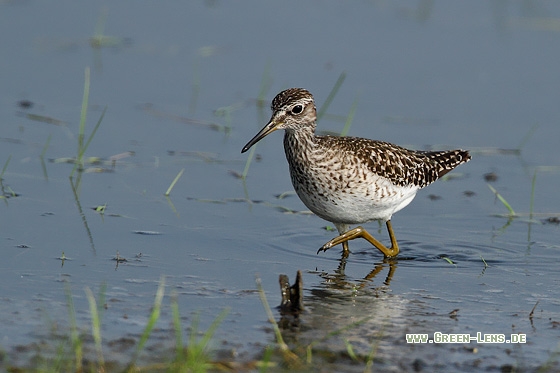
[(154, 317), (331, 95), (174, 182), (96, 328), (349, 118), (5, 166), (283, 346), (532, 201), (83, 114), (74, 334)]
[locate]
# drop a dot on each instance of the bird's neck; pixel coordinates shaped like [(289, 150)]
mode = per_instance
[(298, 144)]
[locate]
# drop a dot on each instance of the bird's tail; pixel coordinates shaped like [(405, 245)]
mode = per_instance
[(448, 159)]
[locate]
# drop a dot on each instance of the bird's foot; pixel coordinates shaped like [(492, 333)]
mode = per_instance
[(335, 241), (360, 232)]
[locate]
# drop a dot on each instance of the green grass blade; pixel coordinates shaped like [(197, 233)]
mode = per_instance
[(264, 301), (177, 328), (101, 304), (82, 147), (484, 261), (349, 118), (154, 317), (266, 83), (5, 166), (170, 203), (248, 163), (93, 133), (532, 201), (197, 358), (194, 329), (448, 260), (100, 24), (337, 332), (331, 95), (81, 211), (373, 351), (212, 328), (290, 358), (502, 199), (95, 328), (42, 158), (266, 359), (350, 350), (174, 182), (82, 126), (75, 340), (46, 146), (527, 136), (83, 114)]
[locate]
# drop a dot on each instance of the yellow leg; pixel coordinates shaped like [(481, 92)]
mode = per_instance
[(345, 249), (361, 232)]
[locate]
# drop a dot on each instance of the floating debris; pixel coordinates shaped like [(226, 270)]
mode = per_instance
[(292, 296), (104, 164), (289, 193), (453, 314), (552, 220), (25, 104), (62, 259), (45, 119), (148, 233), (100, 209), (11, 140), (235, 174), (119, 259), (120, 156), (150, 109), (98, 170), (205, 156), (490, 177)]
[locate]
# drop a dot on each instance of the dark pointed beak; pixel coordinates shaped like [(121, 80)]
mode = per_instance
[(269, 128)]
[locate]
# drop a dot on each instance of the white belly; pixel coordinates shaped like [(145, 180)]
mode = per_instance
[(353, 202)]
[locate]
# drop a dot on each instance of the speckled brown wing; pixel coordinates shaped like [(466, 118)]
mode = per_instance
[(403, 167)]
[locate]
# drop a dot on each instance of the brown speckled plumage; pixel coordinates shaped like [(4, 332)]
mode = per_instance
[(350, 180)]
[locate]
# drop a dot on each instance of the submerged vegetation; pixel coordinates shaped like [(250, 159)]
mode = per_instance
[(80, 350), (83, 144), (5, 190)]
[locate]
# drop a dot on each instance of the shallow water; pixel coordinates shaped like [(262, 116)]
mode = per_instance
[(455, 74)]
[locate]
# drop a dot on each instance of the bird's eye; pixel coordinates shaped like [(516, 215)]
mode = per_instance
[(297, 109)]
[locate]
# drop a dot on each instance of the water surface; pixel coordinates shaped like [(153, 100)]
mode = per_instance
[(181, 84)]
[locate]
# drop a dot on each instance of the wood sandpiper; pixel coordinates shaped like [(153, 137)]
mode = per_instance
[(351, 180)]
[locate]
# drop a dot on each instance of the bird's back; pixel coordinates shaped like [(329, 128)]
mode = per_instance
[(401, 166)]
